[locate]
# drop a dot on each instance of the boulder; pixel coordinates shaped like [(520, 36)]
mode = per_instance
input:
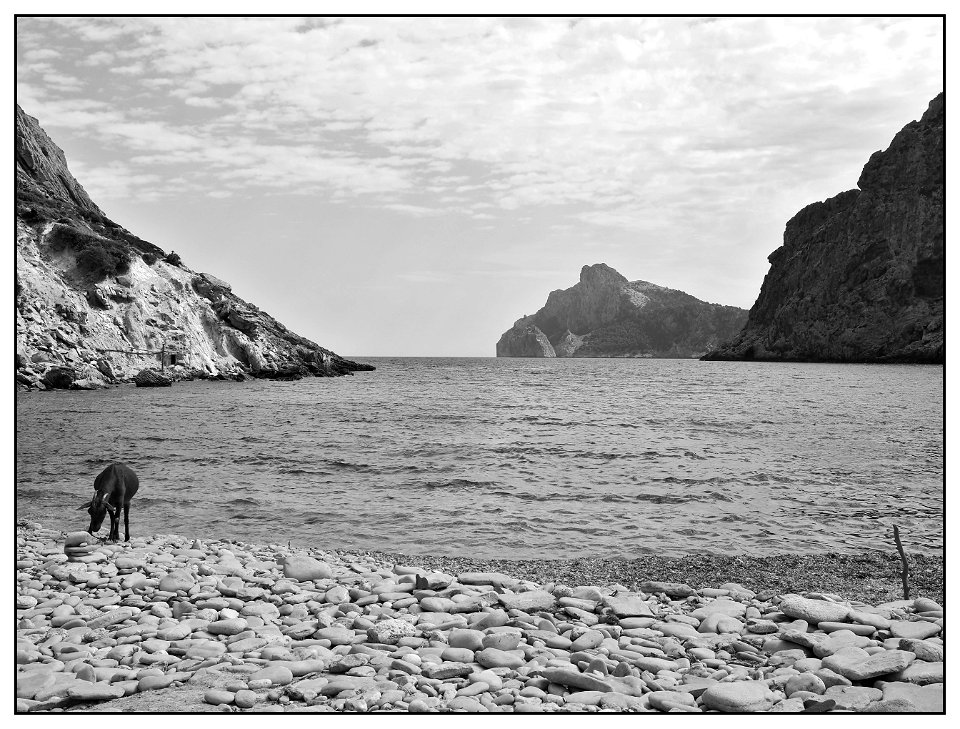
[(59, 378), (304, 569), (150, 377)]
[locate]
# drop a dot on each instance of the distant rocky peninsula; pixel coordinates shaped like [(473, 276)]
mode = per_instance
[(605, 315), (860, 277), (96, 305)]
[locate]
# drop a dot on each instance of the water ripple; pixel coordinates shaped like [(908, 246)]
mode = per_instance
[(513, 458)]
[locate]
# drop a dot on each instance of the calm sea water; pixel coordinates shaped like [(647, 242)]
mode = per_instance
[(512, 458)]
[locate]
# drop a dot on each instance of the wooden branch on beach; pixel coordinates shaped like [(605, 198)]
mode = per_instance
[(905, 572)]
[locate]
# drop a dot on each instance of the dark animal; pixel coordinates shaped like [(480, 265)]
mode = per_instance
[(115, 486)]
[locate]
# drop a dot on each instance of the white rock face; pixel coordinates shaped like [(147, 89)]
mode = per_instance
[(159, 309), (79, 327)]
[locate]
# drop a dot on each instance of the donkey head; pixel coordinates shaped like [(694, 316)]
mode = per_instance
[(97, 508)]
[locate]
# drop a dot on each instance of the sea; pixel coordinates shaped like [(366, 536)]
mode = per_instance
[(512, 458)]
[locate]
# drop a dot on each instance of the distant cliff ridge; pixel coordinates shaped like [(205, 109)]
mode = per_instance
[(860, 277), (95, 304), (605, 315)]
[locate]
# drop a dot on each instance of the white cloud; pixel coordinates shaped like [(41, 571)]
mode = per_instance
[(624, 115)]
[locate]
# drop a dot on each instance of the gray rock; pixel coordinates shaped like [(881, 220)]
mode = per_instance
[(921, 673), (917, 630), (390, 631), (572, 678), (99, 691), (305, 569), (720, 606), (927, 698), (628, 606), (924, 650), (814, 611), (854, 698), (531, 601), (739, 696)]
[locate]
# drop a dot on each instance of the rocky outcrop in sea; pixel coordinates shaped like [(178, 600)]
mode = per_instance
[(95, 304), (860, 277), (605, 315), (167, 623)]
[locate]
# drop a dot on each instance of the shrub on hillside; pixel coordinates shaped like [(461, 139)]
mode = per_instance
[(96, 256), (173, 259)]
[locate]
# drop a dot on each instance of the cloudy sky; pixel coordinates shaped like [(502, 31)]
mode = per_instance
[(412, 186)]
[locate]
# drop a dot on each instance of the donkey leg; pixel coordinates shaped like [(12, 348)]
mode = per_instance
[(126, 522)]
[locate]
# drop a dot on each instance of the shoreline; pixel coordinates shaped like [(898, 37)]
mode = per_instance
[(871, 576), (168, 623)]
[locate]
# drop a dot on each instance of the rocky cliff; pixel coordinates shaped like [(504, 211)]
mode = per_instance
[(95, 304), (860, 277), (605, 315)]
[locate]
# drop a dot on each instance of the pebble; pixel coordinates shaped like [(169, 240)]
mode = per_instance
[(313, 632)]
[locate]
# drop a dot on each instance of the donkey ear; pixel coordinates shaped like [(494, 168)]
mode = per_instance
[(86, 505)]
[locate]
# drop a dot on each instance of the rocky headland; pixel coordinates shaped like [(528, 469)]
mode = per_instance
[(96, 305), (860, 277), (168, 623), (605, 315)]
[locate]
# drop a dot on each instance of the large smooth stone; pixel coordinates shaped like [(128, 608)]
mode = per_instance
[(390, 631), (463, 638), (230, 626), (446, 670), (505, 641), (739, 696), (925, 698), (528, 601), (572, 678), (590, 639), (921, 673), (487, 578), (854, 698), (76, 539), (667, 700), (278, 675), (724, 607), (720, 623), (336, 635), (99, 691), (436, 604), (347, 683), (29, 683), (671, 589), (304, 569), (177, 580), (924, 650), (494, 658), (218, 696), (916, 630), (628, 606), (814, 611), (850, 662), (866, 618)]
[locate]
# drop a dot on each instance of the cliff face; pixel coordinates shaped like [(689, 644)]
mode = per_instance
[(95, 304), (860, 277), (605, 315)]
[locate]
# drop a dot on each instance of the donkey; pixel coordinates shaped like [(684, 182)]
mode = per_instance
[(115, 487)]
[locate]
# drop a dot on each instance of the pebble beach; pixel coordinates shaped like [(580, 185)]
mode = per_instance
[(170, 623)]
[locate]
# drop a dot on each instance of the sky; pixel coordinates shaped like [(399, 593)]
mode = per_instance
[(412, 186)]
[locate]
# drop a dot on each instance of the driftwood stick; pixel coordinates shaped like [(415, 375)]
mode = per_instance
[(905, 572)]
